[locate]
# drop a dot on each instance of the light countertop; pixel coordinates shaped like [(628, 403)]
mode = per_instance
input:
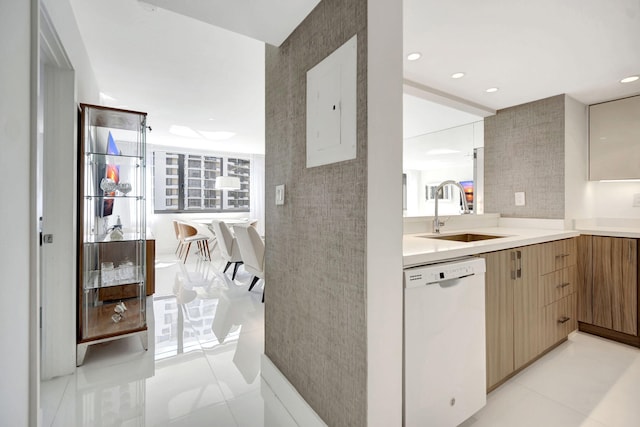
[(612, 227), (633, 233), (419, 250)]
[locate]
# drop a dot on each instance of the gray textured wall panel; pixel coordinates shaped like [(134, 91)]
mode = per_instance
[(524, 151), (315, 319)]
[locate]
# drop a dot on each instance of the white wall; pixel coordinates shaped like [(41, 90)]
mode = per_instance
[(576, 160), (16, 230), (64, 21), (384, 214), (612, 199), (58, 278)]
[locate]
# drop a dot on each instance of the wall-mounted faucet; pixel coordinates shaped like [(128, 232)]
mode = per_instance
[(436, 221)]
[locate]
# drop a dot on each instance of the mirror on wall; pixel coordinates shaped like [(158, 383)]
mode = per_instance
[(439, 144)]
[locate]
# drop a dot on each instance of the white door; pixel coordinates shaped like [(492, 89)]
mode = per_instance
[(56, 193)]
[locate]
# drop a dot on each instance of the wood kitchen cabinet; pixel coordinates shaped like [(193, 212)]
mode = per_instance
[(530, 303), (614, 139), (608, 287), (557, 291), (512, 315), (499, 316)]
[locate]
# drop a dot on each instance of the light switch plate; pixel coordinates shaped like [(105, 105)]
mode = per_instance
[(636, 200), (280, 194), (520, 198)]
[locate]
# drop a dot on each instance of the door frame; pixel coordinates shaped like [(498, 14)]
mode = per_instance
[(57, 118)]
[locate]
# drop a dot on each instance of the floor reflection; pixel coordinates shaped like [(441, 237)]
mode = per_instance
[(202, 368)]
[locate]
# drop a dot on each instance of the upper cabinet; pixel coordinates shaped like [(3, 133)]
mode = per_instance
[(614, 139)]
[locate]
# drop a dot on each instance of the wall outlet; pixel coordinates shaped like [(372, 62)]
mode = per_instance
[(636, 200), (280, 194), (520, 198)]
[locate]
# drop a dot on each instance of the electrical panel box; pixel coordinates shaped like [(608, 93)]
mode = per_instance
[(331, 107)]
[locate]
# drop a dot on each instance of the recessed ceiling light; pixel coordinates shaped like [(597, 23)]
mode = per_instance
[(457, 75), (629, 79), (414, 56), (491, 90), (218, 135), (183, 131)]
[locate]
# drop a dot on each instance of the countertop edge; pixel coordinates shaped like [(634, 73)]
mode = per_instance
[(610, 232), (415, 260)]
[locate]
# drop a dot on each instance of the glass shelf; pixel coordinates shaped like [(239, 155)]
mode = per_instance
[(115, 197), (96, 279), (127, 237), (115, 156)]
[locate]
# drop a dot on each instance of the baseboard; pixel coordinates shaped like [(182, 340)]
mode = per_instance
[(294, 403), (609, 334)]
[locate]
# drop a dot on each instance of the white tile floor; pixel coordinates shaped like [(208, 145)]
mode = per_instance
[(203, 369), (585, 382)]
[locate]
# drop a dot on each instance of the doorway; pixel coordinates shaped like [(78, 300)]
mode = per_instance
[(55, 178)]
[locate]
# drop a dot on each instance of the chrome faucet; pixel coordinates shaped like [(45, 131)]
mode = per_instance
[(436, 221)]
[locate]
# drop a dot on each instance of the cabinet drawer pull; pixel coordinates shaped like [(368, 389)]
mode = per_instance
[(563, 285), (562, 256), (564, 319)]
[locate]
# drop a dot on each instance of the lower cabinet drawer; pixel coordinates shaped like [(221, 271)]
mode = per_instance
[(559, 319), (557, 255), (557, 285)]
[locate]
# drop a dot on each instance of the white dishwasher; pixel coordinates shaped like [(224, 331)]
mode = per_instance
[(444, 343)]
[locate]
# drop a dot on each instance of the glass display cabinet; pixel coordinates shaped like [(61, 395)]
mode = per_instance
[(112, 226)]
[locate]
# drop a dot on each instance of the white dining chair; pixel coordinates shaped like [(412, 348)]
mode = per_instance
[(228, 244), (176, 230), (189, 234), (252, 251)]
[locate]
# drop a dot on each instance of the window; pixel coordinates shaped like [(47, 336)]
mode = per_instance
[(185, 182)]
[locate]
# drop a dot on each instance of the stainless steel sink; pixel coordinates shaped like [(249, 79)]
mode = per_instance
[(464, 237)]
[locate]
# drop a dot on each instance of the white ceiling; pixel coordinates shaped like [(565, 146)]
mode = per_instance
[(268, 20), (185, 71), (181, 71), (528, 49)]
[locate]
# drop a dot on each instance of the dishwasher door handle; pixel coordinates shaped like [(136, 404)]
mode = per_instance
[(450, 279)]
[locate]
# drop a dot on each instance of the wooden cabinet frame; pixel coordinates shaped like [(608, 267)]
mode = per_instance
[(113, 254), (530, 305), (608, 296)]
